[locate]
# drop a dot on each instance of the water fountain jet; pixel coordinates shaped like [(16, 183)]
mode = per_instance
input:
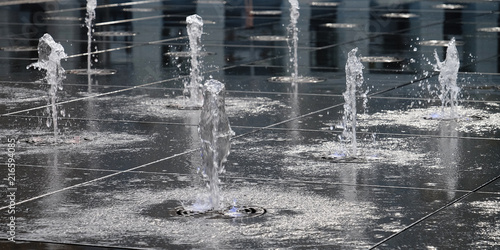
[(192, 89), (89, 19), (215, 134), (50, 54), (293, 41), (448, 81), (91, 5), (354, 79), (293, 33)]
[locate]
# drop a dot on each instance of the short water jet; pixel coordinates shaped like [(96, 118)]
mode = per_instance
[(50, 54), (354, 80), (448, 73), (346, 150), (215, 134)]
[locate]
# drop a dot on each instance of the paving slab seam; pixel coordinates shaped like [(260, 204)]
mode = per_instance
[(100, 178), (435, 212)]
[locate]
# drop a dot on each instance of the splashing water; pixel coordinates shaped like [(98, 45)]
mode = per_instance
[(193, 88), (448, 80), (215, 134), (293, 36), (292, 40), (354, 79), (91, 5), (50, 54)]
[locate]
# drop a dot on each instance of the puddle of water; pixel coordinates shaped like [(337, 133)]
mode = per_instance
[(116, 215)]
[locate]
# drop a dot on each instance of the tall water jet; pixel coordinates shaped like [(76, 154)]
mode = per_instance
[(50, 54), (215, 134), (448, 80), (354, 79), (293, 42), (88, 71), (293, 35), (91, 5), (192, 89)]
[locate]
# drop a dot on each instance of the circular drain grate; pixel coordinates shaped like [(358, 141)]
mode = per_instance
[(243, 211), (228, 213), (183, 212)]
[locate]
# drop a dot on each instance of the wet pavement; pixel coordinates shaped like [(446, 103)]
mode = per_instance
[(126, 159)]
